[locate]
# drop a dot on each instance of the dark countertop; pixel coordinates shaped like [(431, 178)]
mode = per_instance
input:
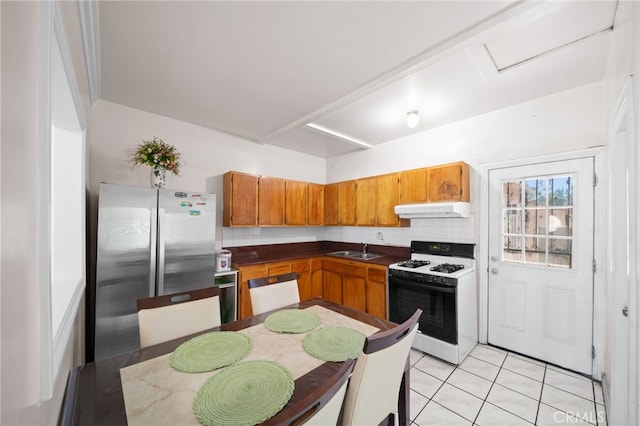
[(255, 255)]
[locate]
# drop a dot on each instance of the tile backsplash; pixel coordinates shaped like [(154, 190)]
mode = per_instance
[(459, 230)]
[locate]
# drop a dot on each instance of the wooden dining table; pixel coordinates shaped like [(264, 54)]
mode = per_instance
[(106, 392)]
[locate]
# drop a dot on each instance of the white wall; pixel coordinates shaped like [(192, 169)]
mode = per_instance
[(21, 250), (562, 122), (207, 154)]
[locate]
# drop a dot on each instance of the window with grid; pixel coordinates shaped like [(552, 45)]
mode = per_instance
[(538, 221)]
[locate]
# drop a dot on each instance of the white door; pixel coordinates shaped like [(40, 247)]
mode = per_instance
[(541, 261)]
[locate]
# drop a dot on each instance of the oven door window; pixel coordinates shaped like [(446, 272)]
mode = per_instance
[(438, 305)]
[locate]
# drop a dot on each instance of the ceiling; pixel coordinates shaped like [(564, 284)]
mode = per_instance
[(290, 73)]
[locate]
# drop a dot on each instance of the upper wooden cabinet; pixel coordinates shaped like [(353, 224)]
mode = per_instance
[(347, 202), (240, 198), (295, 204), (388, 197), (315, 209), (268, 201), (271, 196), (413, 186), (366, 199), (331, 204), (449, 182), (340, 203)]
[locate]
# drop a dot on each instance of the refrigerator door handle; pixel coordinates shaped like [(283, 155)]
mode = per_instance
[(160, 240), (153, 250)]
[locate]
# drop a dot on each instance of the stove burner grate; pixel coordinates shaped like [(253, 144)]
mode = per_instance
[(447, 268), (413, 263)]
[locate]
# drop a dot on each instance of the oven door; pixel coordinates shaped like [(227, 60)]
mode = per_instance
[(438, 304)]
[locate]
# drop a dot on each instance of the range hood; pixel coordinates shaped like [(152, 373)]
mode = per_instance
[(433, 210)]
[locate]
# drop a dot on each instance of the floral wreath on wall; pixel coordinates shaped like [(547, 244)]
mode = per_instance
[(157, 154)]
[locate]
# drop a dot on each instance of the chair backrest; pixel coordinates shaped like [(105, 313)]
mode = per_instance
[(372, 394), (322, 406), (167, 317), (273, 292)]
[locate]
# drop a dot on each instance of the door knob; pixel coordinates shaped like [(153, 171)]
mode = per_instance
[(494, 270), (494, 258), (625, 311)]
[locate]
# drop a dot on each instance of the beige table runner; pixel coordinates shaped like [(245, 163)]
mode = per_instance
[(154, 393)]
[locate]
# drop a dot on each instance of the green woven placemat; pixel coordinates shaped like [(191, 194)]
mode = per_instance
[(334, 343), (210, 351), (292, 321), (246, 393)]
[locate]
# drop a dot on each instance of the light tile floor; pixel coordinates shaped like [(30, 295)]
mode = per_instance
[(493, 387)]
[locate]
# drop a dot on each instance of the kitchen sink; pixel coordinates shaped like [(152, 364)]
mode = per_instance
[(356, 254)]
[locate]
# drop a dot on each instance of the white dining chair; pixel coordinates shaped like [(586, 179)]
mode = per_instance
[(321, 407), (273, 292), (167, 317), (372, 394)]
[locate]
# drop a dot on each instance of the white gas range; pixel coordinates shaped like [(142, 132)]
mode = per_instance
[(440, 279)]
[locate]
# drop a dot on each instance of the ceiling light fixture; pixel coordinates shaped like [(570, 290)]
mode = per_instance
[(339, 135), (413, 117)]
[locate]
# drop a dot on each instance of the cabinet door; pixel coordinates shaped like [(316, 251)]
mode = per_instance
[(376, 291), (366, 201), (295, 203), (303, 269), (413, 186), (449, 183), (316, 277), (347, 203), (271, 201), (315, 211), (279, 268), (332, 286), (388, 197), (331, 204), (353, 292), (240, 199), (244, 299)]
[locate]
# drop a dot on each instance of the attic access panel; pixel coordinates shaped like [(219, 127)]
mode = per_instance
[(553, 26)]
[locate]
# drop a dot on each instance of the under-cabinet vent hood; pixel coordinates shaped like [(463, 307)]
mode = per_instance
[(433, 210)]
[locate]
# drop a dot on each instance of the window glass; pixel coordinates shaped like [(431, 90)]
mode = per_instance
[(538, 221)]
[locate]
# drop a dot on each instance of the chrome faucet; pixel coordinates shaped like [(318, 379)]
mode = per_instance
[(364, 248)]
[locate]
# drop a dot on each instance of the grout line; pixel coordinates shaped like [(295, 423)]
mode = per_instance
[(490, 388), (516, 356), (544, 375)]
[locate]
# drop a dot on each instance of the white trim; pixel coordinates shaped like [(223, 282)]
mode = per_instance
[(61, 338), (89, 28), (52, 348), (482, 260), (67, 62), (600, 256), (622, 123)]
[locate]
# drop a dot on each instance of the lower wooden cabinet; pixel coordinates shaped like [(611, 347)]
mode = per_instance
[(246, 273), (356, 284), (376, 290), (316, 277), (309, 272), (351, 283)]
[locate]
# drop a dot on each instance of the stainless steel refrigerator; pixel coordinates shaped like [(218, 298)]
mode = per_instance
[(150, 242)]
